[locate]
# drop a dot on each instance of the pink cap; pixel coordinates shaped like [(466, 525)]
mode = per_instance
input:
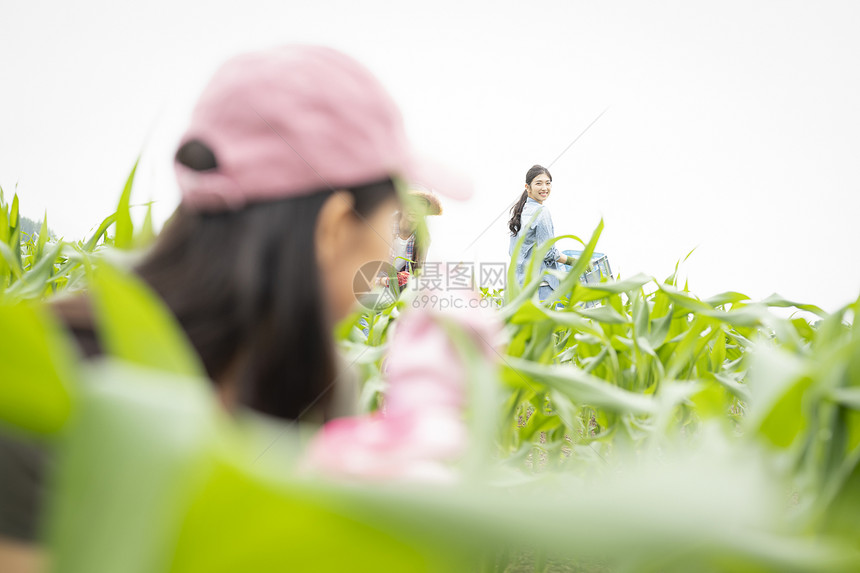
[(297, 119)]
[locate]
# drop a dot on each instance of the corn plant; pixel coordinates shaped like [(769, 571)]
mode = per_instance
[(625, 425)]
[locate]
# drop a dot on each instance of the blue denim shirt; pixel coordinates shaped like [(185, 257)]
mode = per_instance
[(539, 232)]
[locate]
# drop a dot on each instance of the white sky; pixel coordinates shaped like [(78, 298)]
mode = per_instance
[(732, 126)]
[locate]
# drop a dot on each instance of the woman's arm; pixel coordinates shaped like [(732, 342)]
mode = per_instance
[(543, 232)]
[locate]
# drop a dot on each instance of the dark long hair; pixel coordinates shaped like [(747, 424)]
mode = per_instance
[(246, 288), (515, 224)]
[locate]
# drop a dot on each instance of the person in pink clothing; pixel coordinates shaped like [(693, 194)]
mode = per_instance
[(304, 140), (420, 432), (288, 173)]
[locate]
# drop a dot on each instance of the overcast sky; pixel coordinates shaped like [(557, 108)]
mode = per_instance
[(731, 126)]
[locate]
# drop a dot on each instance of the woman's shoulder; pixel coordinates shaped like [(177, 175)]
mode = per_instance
[(531, 207), (544, 211), (539, 212)]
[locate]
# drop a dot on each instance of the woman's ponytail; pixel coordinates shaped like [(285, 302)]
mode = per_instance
[(516, 214)]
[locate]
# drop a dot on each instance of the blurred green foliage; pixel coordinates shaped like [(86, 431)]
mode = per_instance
[(626, 425)]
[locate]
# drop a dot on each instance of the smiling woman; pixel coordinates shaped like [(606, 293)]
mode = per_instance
[(531, 221)]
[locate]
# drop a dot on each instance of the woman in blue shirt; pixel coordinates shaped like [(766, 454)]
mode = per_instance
[(537, 190)]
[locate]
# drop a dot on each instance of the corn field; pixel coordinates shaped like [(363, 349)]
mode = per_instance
[(632, 427)]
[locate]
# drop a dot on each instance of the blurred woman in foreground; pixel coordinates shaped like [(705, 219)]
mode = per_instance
[(287, 173)]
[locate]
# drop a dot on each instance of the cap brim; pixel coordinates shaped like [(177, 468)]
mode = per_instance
[(439, 178)]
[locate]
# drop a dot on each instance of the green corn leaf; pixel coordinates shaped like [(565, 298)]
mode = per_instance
[(571, 283), (12, 260), (43, 237), (603, 314), (38, 370), (778, 384), (577, 385), (35, 281), (146, 234), (13, 213), (777, 301), (135, 325), (90, 245), (729, 297), (124, 228)]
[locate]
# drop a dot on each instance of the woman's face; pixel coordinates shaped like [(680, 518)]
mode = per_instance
[(409, 219), (346, 242), (540, 188), (414, 210)]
